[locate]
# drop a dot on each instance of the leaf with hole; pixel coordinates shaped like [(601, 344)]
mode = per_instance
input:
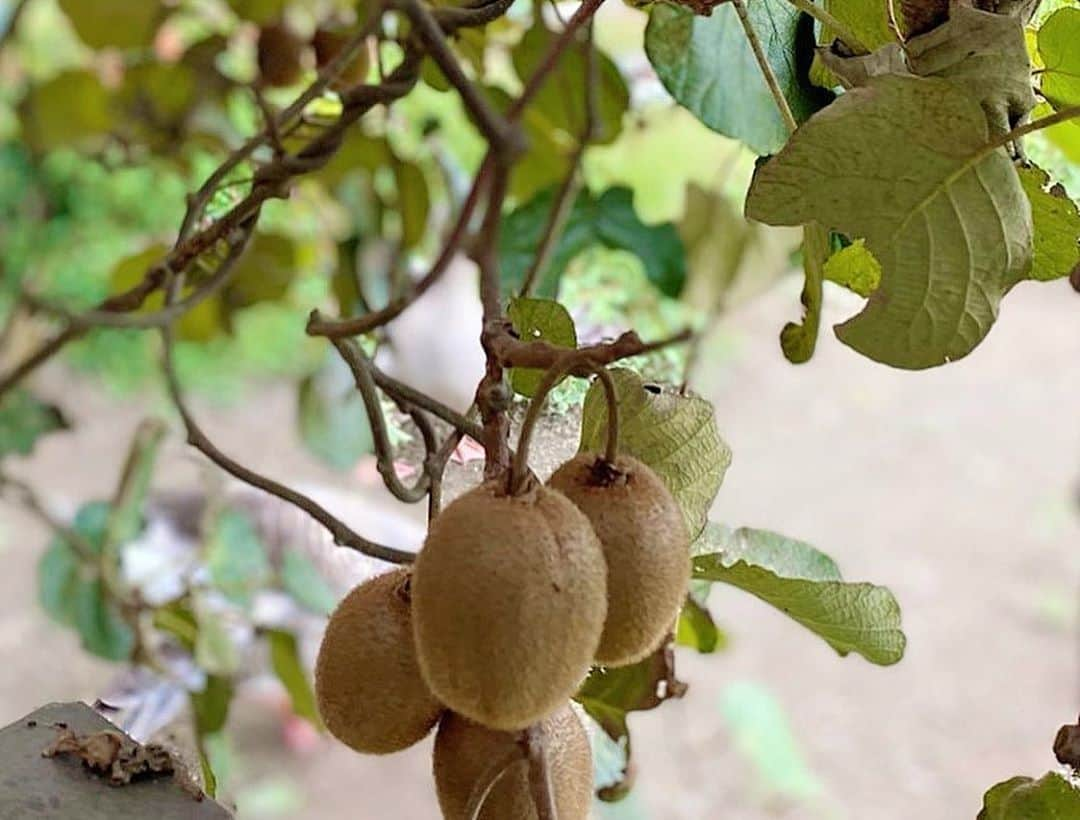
[(1056, 249), (707, 65), (675, 434), (538, 320), (904, 163), (805, 585)]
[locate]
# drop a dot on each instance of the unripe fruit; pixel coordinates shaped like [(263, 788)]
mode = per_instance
[(328, 43), (367, 682), (646, 544), (466, 751), (278, 54), (509, 598)]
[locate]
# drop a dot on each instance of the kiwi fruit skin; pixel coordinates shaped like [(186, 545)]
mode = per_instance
[(509, 599), (367, 682), (465, 751), (646, 544)]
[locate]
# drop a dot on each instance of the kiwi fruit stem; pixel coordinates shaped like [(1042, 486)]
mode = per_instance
[(519, 469)]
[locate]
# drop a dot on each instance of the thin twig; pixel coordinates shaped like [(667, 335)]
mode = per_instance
[(765, 66), (1064, 115), (513, 352)]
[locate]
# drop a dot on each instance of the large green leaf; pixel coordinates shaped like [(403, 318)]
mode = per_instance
[(609, 220), (333, 422), (1057, 226), (904, 164), (114, 23), (285, 661), (24, 419), (1058, 38), (673, 433), (538, 320), (805, 585), (707, 65), (1051, 797)]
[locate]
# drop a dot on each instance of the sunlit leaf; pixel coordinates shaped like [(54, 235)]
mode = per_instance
[(675, 434), (71, 109), (538, 320), (854, 268), (1058, 38)]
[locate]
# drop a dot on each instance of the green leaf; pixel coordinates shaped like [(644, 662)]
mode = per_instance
[(71, 109), (178, 620), (235, 556), (538, 320), (1051, 797), (413, 202), (215, 651), (867, 21), (285, 660), (695, 628), (126, 512), (103, 631), (211, 705), (903, 164), (608, 695), (58, 575), (114, 23), (1057, 226), (854, 268), (707, 65), (674, 434), (333, 422), (303, 582), (805, 585), (609, 220), (24, 419), (1060, 80)]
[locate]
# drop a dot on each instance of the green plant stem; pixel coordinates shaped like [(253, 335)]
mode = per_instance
[(826, 19), (765, 66)]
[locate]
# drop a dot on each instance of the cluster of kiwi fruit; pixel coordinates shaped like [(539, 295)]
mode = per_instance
[(519, 589), (280, 55)]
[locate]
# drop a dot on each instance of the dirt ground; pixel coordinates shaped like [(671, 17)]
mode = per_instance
[(956, 487)]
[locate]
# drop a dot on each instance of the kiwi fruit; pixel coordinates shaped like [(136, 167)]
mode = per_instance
[(646, 544), (367, 682), (466, 751), (278, 55), (328, 43), (509, 599)]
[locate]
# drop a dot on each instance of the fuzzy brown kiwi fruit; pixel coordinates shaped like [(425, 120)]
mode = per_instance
[(328, 43), (647, 547), (509, 597), (278, 55), (367, 682), (466, 751)]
